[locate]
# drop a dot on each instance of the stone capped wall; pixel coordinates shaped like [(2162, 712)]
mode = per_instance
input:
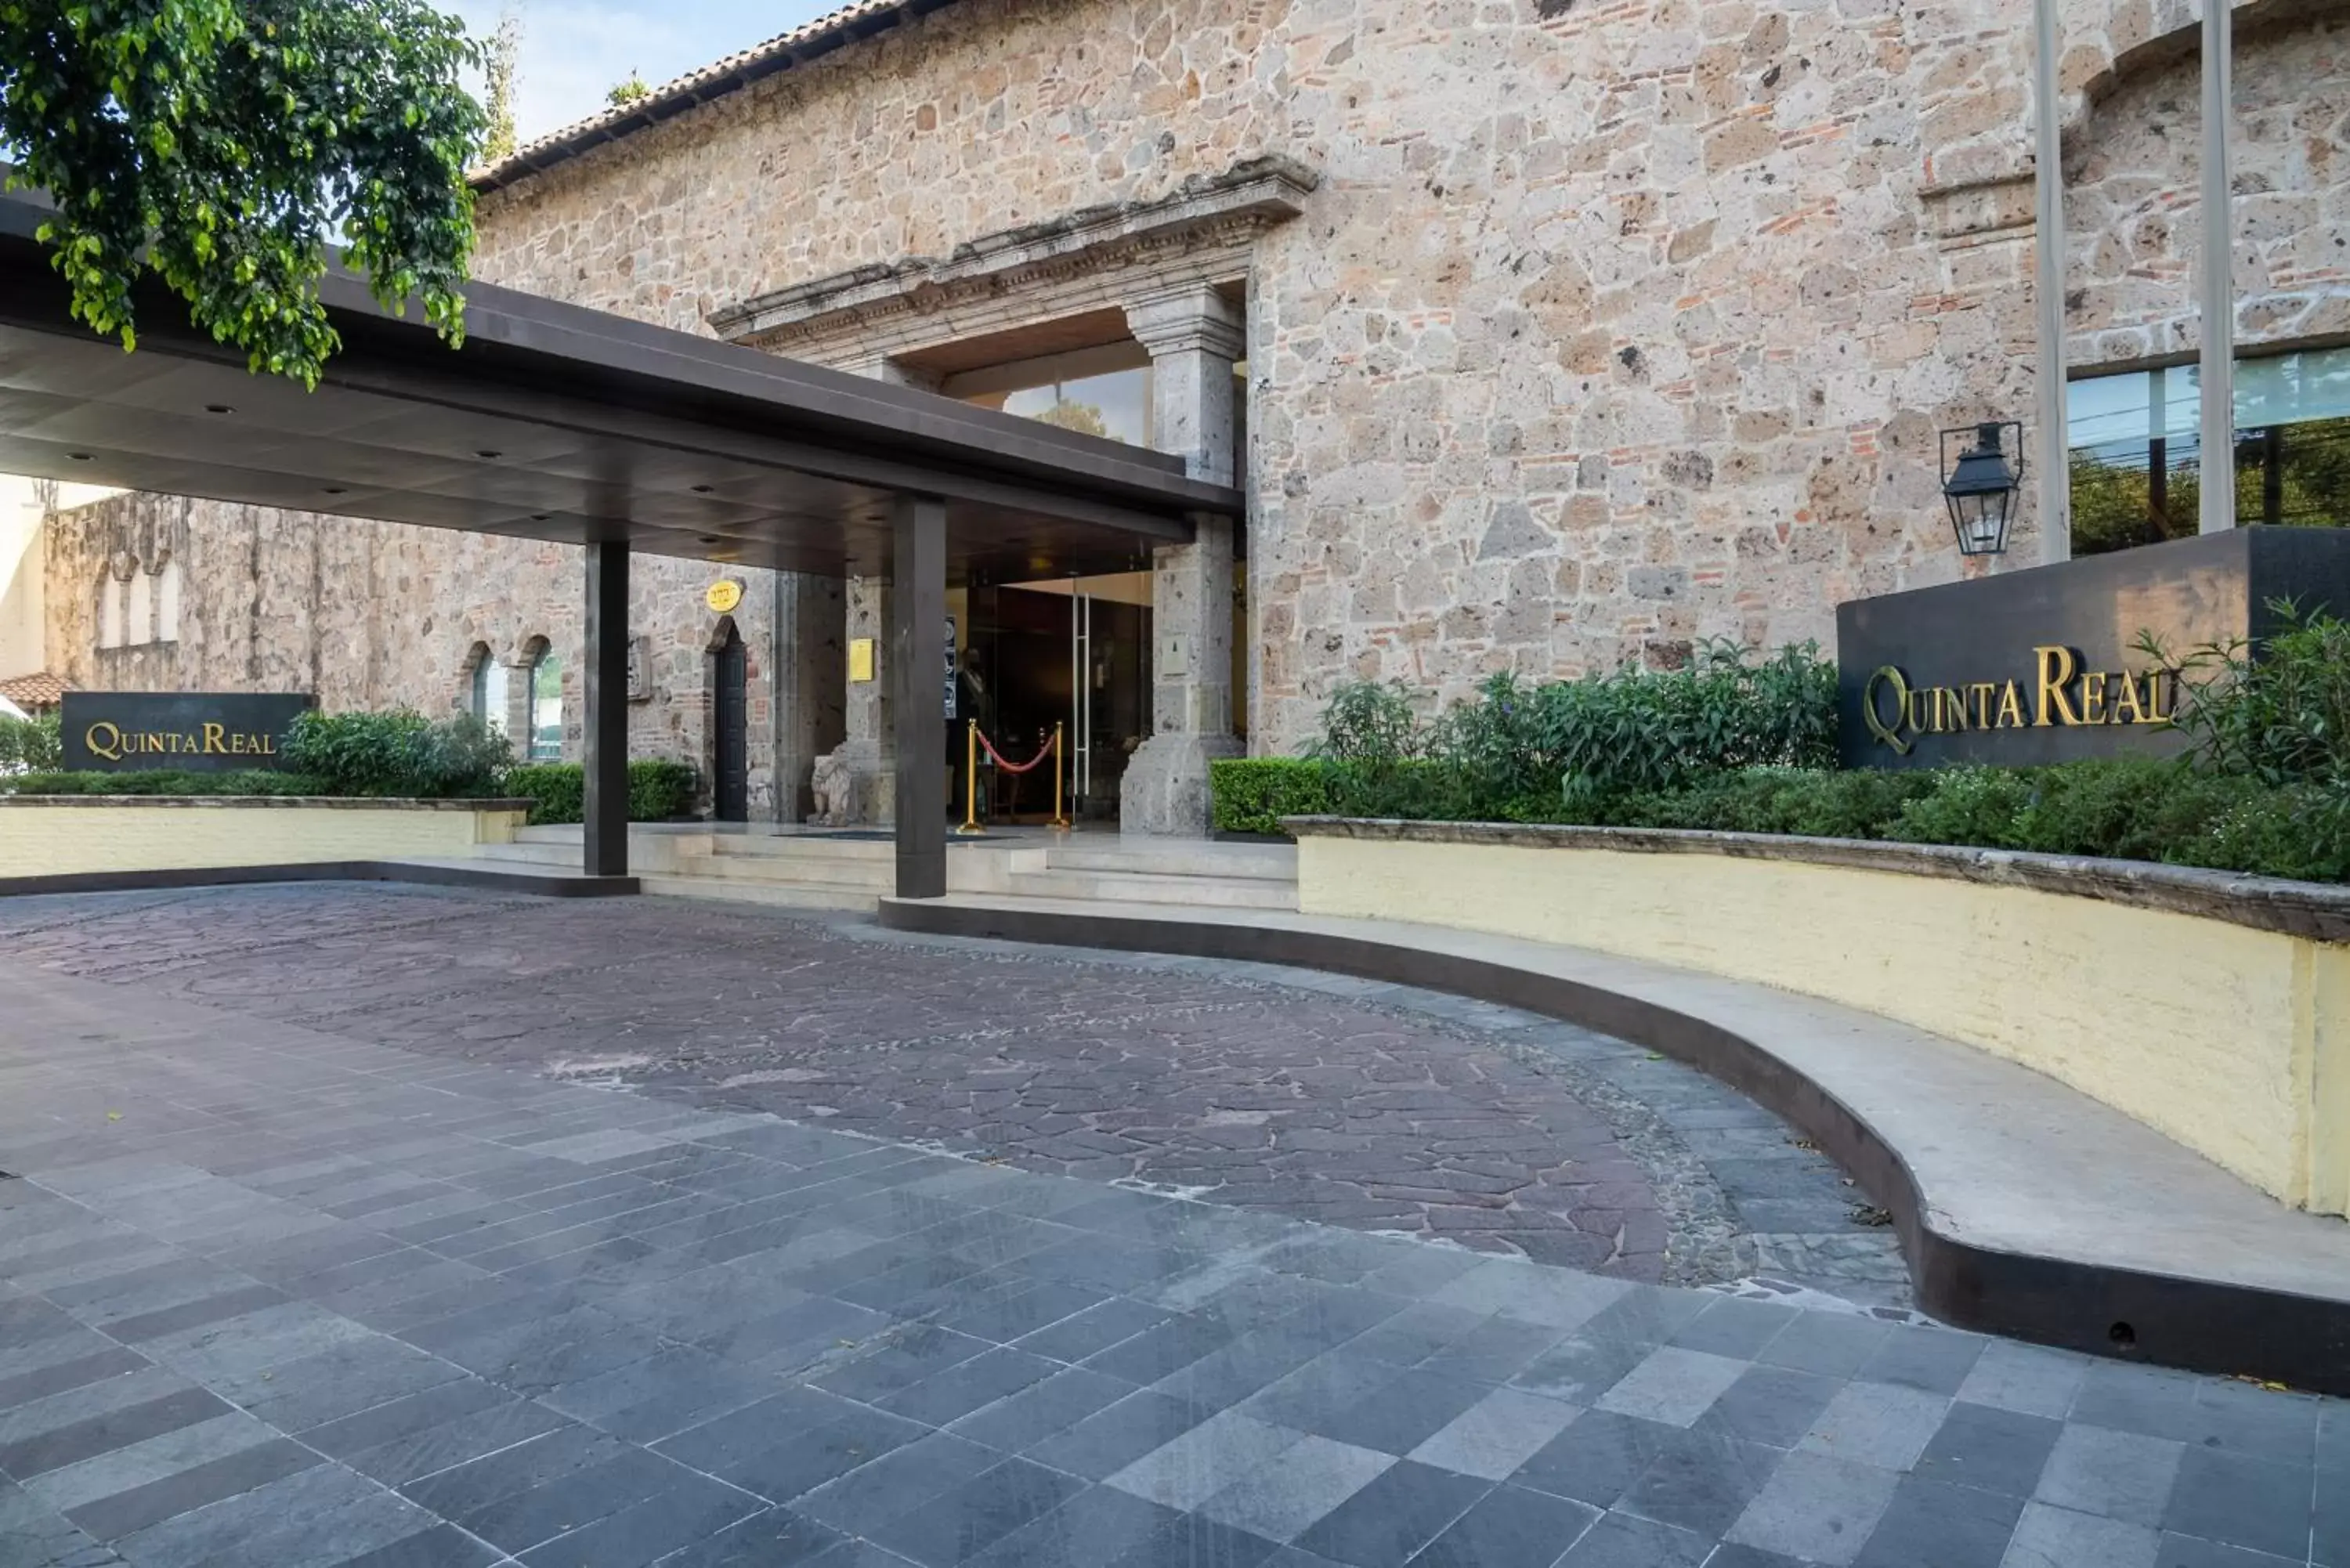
[(369, 615)]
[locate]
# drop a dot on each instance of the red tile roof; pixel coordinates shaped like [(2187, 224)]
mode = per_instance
[(34, 692)]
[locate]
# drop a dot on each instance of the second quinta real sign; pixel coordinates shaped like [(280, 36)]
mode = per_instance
[(185, 732)]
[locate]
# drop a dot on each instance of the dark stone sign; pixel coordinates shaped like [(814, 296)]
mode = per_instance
[(194, 732), (2042, 666)]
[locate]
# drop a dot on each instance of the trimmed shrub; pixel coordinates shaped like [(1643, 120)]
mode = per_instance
[(658, 790), (162, 781), (2280, 713), (29, 744), (398, 753), (1252, 794)]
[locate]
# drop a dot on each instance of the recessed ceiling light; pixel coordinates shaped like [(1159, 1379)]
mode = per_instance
[(701, 490), (707, 539), (78, 456), (540, 516), (218, 409), (334, 490), (485, 451)]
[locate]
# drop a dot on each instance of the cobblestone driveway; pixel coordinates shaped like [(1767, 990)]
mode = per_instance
[(1373, 1107)]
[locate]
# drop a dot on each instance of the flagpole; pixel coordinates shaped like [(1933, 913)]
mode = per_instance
[(2048, 288), (2217, 305)]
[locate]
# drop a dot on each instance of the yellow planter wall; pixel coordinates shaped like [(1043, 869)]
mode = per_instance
[(62, 839), (2231, 1040)]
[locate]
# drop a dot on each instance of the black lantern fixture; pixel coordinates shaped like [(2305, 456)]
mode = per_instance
[(1980, 487)]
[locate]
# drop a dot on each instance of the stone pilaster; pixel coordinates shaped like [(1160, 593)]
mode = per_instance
[(809, 675), (1194, 338), (856, 784)]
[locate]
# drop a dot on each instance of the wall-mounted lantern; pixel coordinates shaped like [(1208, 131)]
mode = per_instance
[(1979, 486)]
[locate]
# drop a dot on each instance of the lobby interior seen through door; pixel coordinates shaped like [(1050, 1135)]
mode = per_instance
[(1072, 653)]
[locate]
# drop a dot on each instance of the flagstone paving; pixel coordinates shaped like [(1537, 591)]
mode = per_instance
[(272, 1294)]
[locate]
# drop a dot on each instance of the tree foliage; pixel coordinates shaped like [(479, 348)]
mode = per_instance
[(619, 95), (222, 144), (502, 69)]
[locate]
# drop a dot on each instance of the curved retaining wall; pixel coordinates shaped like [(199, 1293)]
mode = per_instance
[(84, 836), (2213, 1008)]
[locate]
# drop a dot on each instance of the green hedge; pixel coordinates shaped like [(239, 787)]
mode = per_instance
[(658, 790), (1252, 794), (397, 754), (162, 781), (2122, 808)]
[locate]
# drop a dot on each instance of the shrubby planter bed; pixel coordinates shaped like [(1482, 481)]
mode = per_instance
[(2212, 1007)]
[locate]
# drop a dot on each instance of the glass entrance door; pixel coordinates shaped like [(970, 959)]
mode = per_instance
[(1074, 653)]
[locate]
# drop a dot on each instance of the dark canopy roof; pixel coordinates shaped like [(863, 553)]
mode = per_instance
[(557, 423)]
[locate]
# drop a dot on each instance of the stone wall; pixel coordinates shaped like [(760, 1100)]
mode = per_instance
[(1607, 329), (382, 615), (2135, 214)]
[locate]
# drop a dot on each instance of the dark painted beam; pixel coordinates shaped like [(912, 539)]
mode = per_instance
[(918, 577), (606, 801)]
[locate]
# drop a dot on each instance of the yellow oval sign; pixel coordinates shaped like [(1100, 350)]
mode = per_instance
[(723, 595)]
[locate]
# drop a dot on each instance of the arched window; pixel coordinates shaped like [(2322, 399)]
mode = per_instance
[(488, 701), (545, 707)]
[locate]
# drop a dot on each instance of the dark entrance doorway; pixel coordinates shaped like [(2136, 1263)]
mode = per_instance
[(733, 787)]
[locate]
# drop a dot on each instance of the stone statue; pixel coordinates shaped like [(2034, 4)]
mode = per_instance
[(830, 785)]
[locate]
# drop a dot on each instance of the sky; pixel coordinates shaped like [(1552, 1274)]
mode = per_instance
[(574, 51)]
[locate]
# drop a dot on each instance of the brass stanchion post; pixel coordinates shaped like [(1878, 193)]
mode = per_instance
[(1060, 819), (971, 781)]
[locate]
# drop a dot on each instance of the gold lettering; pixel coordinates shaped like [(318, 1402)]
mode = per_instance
[(1952, 702), (2056, 666), (2155, 686), (1981, 691), (2092, 697), (154, 743), (2127, 710), (1869, 715), (2011, 708), (104, 740), (215, 739), (268, 747), (236, 744)]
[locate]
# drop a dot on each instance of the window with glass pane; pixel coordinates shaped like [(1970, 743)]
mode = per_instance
[(490, 692), (546, 709), (1116, 403), (2136, 452)]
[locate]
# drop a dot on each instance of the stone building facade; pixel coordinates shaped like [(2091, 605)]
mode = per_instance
[(1572, 333)]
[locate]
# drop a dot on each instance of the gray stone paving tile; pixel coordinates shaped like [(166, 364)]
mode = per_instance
[(1672, 1384), (99, 1362), (1497, 1435), (2186, 1552), (2120, 1475), (1876, 1424), (521, 1521), (120, 1514), (426, 1452), (1621, 1541), (54, 1447), (1731, 1554), (1400, 1413), (1399, 1512), (971, 1517), (1094, 1527), (1531, 1294), (895, 1484), (1496, 1351), (713, 1443), (1828, 1343), (1735, 1327), (403, 1417), (1043, 1409), (352, 1376), (439, 1547), (1509, 1527), (2029, 1378), (668, 1391), (1932, 1522), (1700, 1483), (2242, 1502), (1295, 1488), (1816, 1508), (236, 1524), (2049, 1537), (1993, 1450), (1120, 1434), (969, 1385), (510, 1469), (271, 1337), (1193, 1467), (692, 1510), (2330, 1522), (776, 1538), (796, 1464), (1772, 1405), (1935, 1360), (120, 1469), (1193, 1540)]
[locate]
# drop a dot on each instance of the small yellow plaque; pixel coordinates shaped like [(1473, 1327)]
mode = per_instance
[(723, 595), (860, 658)]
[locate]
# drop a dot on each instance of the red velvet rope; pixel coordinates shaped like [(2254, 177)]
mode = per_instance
[(1013, 767)]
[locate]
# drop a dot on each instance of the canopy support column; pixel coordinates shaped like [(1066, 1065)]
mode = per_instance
[(605, 809), (917, 673)]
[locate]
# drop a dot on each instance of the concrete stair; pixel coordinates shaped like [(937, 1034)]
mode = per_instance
[(815, 871)]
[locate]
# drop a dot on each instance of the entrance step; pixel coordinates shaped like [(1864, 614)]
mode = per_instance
[(1178, 858), (779, 895), (1155, 888), (874, 877)]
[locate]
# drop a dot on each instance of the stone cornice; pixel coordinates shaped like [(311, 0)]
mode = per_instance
[(1219, 215), (2318, 910)]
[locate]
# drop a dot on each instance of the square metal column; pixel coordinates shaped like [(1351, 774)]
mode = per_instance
[(606, 680), (916, 675)]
